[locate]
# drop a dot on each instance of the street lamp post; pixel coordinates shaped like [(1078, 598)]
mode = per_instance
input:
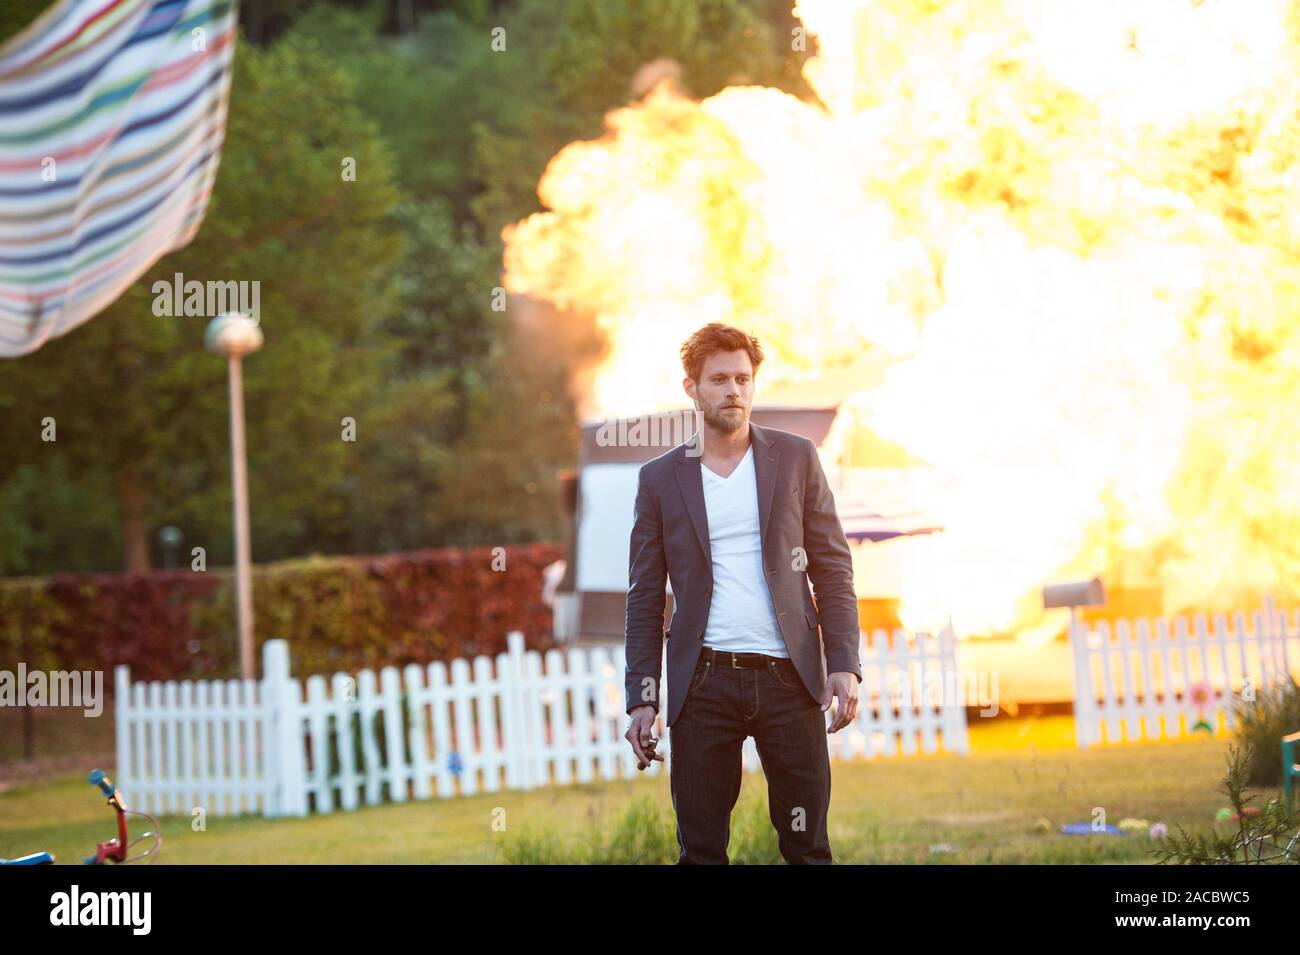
[(233, 336)]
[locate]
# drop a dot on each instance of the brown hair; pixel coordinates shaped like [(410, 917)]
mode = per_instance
[(716, 337)]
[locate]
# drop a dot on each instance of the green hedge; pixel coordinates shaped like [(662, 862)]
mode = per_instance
[(338, 614)]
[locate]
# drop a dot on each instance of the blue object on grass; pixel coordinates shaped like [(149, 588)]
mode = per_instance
[(1086, 829), (36, 858)]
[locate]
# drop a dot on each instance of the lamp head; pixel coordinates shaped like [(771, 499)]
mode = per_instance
[(233, 335)]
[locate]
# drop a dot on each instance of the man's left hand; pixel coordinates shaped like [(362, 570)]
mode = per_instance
[(844, 686)]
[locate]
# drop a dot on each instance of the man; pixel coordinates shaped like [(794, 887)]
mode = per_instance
[(740, 519)]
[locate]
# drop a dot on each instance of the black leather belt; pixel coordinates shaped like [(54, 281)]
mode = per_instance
[(739, 661)]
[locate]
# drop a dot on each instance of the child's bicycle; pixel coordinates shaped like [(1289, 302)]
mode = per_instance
[(114, 850)]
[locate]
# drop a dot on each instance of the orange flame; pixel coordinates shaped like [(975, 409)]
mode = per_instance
[(1050, 248)]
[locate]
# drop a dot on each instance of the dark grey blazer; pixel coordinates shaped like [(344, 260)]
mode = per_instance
[(802, 540)]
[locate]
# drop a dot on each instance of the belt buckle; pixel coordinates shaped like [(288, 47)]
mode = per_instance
[(735, 665)]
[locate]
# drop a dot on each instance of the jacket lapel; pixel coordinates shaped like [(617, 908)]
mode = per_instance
[(691, 481)]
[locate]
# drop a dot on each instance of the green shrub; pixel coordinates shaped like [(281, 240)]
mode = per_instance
[(1267, 835), (337, 613), (1260, 726)]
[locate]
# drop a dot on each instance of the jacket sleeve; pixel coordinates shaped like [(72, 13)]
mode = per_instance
[(830, 569), (643, 631)]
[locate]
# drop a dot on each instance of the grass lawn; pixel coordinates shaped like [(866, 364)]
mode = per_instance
[(885, 810)]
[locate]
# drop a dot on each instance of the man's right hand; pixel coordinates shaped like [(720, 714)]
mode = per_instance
[(641, 734)]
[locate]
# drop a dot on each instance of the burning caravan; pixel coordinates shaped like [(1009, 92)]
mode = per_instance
[(587, 589)]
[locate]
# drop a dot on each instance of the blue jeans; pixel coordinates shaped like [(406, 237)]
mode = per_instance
[(723, 706)]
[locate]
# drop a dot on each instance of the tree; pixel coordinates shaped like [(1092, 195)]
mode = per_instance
[(134, 394), (590, 58)]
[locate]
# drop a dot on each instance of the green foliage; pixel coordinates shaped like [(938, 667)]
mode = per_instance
[(211, 622), (1260, 726), (644, 835), (338, 614), (443, 321), (425, 90), (66, 523), (716, 43), (590, 59), (641, 835), (17, 15), (504, 481), (1268, 836), (753, 840), (136, 395), (30, 618)]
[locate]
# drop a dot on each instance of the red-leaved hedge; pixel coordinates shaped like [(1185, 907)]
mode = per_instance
[(338, 613)]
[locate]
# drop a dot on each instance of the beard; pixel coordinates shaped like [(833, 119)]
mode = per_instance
[(722, 421)]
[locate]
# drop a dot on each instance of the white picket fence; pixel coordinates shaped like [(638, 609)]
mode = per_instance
[(264, 747), (225, 746), (911, 695), (1132, 678)]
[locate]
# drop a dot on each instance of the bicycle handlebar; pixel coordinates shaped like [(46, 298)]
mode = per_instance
[(97, 778), (114, 850)]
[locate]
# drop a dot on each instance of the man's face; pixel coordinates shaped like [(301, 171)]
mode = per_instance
[(725, 391)]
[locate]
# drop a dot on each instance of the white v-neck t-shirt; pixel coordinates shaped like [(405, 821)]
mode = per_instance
[(741, 614)]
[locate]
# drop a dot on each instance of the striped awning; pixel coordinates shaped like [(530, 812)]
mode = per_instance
[(112, 117), (862, 524)]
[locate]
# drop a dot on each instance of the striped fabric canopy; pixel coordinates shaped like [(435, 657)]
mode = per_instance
[(861, 523), (112, 116)]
